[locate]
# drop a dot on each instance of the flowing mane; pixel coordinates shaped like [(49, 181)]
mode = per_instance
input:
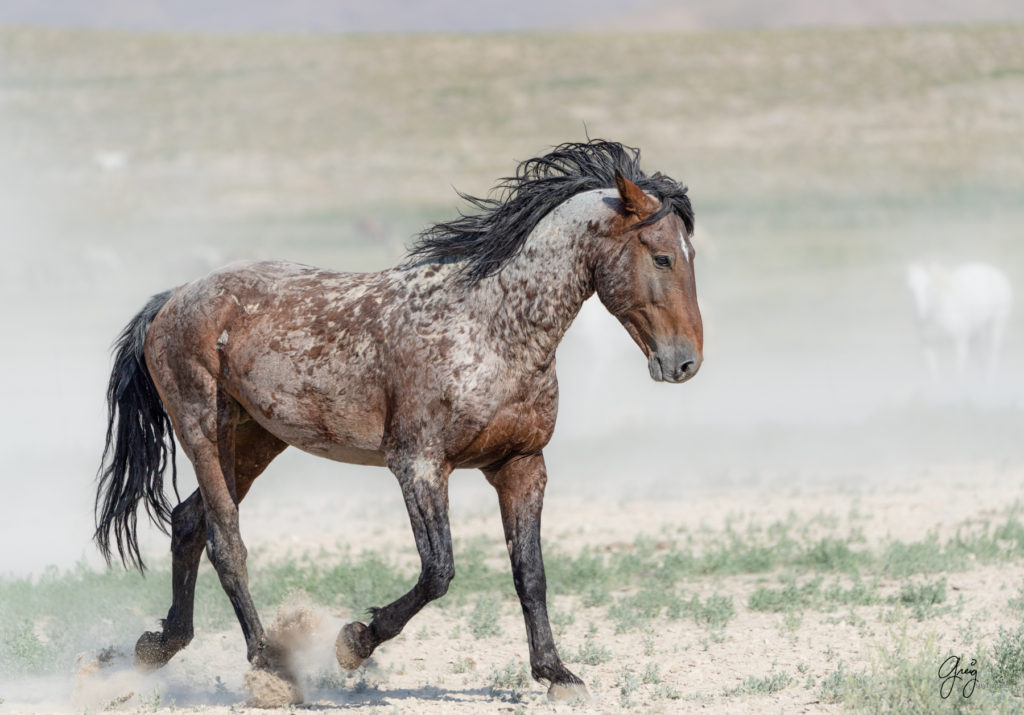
[(487, 240)]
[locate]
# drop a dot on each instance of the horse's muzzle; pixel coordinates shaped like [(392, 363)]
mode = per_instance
[(674, 364)]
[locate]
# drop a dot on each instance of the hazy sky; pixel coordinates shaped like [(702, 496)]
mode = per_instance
[(475, 16)]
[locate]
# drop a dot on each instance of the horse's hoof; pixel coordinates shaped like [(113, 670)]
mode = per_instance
[(560, 692), (150, 652), (347, 646)]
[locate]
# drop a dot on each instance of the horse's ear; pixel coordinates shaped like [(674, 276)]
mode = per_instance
[(633, 197)]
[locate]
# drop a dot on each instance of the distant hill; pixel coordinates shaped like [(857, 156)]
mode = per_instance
[(476, 16)]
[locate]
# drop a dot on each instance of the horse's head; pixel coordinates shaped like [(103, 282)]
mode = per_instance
[(644, 276)]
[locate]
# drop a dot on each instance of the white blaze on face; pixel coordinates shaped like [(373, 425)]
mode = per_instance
[(683, 247)]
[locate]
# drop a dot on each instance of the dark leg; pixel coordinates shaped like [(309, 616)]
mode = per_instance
[(520, 483), (425, 489), (188, 537), (255, 448), (215, 465)]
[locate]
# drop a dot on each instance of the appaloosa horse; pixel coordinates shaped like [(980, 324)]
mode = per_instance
[(445, 361)]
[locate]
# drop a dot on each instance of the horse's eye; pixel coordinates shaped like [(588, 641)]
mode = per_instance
[(662, 261)]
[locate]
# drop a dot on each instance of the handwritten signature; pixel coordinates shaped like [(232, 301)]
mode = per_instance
[(951, 674)]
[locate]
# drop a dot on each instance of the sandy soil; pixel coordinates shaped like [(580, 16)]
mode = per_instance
[(437, 666)]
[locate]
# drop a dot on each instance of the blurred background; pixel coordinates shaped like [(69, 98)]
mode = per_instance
[(144, 143)]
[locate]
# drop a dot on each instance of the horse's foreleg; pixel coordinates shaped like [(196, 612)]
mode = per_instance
[(425, 489), (520, 484)]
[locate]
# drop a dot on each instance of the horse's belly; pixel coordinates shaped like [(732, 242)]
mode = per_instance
[(339, 424), (344, 453), (351, 441)]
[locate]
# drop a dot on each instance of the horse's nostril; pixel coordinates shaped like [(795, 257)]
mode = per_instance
[(687, 367)]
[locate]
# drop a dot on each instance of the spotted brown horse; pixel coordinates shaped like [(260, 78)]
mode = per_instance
[(445, 361)]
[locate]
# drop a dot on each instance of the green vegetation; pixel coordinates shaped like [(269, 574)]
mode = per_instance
[(510, 682), (834, 684), (627, 683), (904, 677), (483, 621), (922, 598), (46, 621), (1006, 661), (766, 685), (590, 654)]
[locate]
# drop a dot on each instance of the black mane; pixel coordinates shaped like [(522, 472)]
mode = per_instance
[(487, 240)]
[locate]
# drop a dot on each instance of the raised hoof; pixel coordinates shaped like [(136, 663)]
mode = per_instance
[(347, 646), (560, 692), (151, 652)]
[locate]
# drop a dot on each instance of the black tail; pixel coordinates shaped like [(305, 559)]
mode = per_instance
[(140, 445)]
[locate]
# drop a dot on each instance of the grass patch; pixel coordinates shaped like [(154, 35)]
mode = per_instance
[(483, 621), (22, 652), (714, 612), (922, 598), (916, 676), (1006, 661), (765, 685), (510, 682), (1016, 604), (47, 620), (788, 598), (833, 686), (590, 654), (858, 594)]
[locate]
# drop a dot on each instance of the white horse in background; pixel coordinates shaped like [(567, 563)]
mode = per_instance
[(966, 307)]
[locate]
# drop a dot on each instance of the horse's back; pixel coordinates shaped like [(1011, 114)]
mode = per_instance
[(983, 287), (296, 346)]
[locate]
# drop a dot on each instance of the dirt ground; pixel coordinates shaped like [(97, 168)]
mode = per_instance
[(438, 666)]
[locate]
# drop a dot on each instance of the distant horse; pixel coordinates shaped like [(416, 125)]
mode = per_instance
[(966, 307), (445, 361)]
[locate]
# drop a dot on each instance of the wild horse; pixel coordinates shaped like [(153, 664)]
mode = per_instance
[(445, 361)]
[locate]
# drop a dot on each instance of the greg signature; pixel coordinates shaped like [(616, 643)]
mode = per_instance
[(952, 674)]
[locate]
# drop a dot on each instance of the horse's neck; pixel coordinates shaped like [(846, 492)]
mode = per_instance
[(533, 300)]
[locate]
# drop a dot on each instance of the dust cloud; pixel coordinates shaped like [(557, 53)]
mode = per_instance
[(208, 673)]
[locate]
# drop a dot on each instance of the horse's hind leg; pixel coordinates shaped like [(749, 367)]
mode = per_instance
[(520, 484), (188, 536), (255, 448), (214, 461)]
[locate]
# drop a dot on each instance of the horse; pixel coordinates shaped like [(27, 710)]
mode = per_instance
[(967, 306), (442, 362)]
